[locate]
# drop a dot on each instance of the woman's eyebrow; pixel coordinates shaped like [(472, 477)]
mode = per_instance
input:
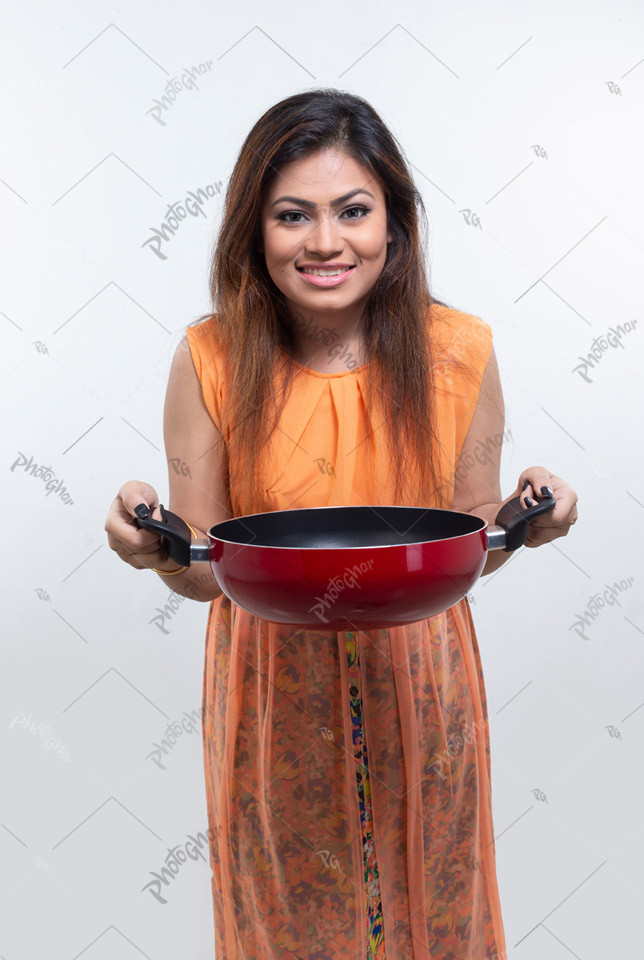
[(334, 203)]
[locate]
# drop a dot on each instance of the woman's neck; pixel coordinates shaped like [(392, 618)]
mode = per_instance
[(319, 337)]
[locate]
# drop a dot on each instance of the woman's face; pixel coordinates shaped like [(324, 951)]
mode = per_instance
[(316, 227)]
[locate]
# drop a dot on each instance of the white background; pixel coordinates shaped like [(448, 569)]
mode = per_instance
[(523, 126)]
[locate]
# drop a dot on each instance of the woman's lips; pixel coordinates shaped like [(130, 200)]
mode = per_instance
[(326, 281)]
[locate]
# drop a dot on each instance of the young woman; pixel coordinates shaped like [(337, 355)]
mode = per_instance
[(347, 773)]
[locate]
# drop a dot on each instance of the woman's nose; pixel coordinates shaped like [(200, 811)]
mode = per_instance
[(325, 234)]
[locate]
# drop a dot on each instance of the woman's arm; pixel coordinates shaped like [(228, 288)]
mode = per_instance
[(197, 469), (477, 486)]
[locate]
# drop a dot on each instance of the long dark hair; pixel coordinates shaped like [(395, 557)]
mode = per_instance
[(253, 321)]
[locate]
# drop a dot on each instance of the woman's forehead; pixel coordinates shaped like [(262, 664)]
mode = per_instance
[(322, 177)]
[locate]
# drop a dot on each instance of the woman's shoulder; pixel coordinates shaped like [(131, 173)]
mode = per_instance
[(459, 334), (205, 331), (206, 343), (206, 337), (449, 322)]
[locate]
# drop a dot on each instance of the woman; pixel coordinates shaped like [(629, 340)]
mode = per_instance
[(347, 773)]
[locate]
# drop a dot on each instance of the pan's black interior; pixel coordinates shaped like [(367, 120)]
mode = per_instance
[(351, 526)]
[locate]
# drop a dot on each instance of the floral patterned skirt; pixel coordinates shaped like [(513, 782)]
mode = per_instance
[(375, 936)]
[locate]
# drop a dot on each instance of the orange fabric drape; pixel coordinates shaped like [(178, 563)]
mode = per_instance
[(288, 868)]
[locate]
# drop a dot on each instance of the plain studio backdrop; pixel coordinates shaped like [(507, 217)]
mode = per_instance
[(522, 125)]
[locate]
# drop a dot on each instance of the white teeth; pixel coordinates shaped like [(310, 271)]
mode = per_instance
[(326, 273)]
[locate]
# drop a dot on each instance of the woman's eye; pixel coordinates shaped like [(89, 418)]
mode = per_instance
[(298, 213), (365, 211), (289, 213)]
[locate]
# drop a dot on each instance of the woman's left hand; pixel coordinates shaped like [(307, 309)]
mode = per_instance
[(558, 521)]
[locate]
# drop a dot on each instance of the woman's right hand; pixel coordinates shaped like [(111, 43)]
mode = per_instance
[(142, 549)]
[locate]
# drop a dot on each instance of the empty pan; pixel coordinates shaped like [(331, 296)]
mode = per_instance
[(347, 567)]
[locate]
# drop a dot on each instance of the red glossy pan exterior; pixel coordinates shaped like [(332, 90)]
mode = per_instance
[(358, 588), (351, 567)]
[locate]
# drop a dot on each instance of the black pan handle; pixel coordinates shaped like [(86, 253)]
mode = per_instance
[(511, 523), (176, 535)]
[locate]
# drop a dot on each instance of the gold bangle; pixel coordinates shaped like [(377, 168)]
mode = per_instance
[(169, 573)]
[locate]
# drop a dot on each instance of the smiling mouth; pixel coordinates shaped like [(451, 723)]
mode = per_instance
[(325, 271), (322, 278)]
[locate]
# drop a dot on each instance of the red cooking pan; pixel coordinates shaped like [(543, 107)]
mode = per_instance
[(347, 567)]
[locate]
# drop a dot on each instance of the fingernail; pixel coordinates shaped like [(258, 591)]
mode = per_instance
[(528, 502), (526, 484), (547, 491), (141, 510)]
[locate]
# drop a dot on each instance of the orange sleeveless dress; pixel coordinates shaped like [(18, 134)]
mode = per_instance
[(348, 773)]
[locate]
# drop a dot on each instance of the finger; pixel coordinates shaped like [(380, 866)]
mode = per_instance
[(535, 483), (536, 538), (535, 490), (138, 559), (122, 552), (542, 530), (122, 511), (124, 532), (137, 492), (564, 512), (133, 538), (133, 494), (127, 547)]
